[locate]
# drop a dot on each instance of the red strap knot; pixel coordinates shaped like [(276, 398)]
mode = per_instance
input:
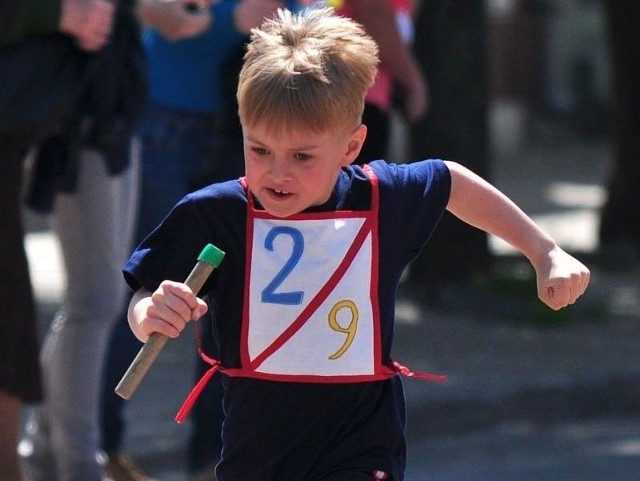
[(405, 371)]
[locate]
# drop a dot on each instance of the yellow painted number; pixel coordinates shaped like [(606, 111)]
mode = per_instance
[(349, 330)]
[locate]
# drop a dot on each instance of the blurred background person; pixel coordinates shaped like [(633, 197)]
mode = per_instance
[(400, 83), (89, 24), (84, 177)]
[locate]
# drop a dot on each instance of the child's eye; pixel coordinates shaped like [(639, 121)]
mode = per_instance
[(259, 150), (302, 156)]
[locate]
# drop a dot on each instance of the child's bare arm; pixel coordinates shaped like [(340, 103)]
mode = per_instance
[(561, 278), (167, 310)]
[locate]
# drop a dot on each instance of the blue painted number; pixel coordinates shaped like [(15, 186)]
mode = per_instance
[(269, 294)]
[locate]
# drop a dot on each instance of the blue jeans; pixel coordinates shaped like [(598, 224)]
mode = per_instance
[(176, 147)]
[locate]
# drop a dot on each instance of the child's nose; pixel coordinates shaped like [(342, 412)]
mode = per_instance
[(279, 168)]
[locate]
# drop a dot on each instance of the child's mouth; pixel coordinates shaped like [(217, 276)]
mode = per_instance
[(281, 193)]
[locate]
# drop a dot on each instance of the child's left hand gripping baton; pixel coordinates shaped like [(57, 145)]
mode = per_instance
[(209, 259)]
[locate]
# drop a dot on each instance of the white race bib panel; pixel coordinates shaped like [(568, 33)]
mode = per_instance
[(310, 309)]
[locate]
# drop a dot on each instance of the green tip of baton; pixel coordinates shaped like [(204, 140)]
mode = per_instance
[(211, 255)]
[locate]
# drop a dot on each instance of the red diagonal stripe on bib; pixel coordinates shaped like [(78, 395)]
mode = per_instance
[(319, 298)]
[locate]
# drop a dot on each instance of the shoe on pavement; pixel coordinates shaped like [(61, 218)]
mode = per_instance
[(120, 467)]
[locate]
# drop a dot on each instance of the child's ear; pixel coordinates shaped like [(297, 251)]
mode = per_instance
[(356, 141)]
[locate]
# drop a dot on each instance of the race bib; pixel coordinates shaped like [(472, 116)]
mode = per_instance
[(310, 310)]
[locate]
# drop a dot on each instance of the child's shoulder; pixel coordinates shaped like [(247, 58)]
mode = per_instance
[(215, 199), (399, 174), (224, 191), (400, 183)]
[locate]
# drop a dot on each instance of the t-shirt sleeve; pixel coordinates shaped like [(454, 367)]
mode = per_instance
[(414, 197), (170, 251)]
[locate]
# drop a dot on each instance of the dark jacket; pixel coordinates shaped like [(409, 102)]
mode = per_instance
[(108, 108)]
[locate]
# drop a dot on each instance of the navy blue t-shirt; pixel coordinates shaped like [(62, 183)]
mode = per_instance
[(285, 431)]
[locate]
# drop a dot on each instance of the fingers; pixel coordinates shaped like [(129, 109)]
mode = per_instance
[(93, 42), (89, 21), (176, 20), (252, 13), (415, 107), (98, 26), (565, 292), (562, 278), (416, 102), (172, 306)]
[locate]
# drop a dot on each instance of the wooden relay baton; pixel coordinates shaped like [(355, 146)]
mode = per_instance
[(209, 259)]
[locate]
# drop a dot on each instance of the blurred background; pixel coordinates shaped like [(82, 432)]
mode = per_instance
[(521, 91)]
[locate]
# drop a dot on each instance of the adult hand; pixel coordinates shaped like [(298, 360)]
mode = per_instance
[(252, 13), (176, 19), (89, 21), (415, 96)]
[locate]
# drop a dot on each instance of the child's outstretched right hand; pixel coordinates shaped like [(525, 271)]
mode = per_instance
[(167, 310)]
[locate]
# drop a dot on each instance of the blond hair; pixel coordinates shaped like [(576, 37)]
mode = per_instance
[(309, 70)]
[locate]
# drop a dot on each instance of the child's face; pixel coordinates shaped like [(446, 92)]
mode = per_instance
[(295, 170)]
